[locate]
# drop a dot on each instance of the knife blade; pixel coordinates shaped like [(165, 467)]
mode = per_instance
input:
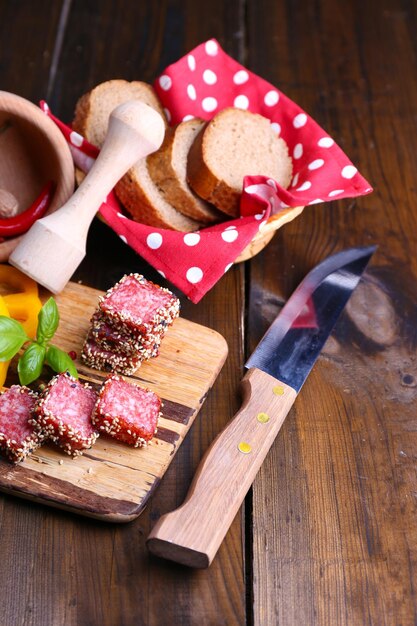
[(277, 369)]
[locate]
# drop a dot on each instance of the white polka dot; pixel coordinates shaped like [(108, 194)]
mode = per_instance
[(123, 238), (325, 142), (300, 120), (186, 118), (252, 189), (349, 171), (316, 201), (191, 92), (167, 114), (298, 151), (227, 268), (209, 77), (212, 48), (368, 189), (76, 139), (273, 202), (306, 185), (271, 98), (258, 216), (191, 62), (316, 164), (231, 228), (45, 107), (154, 241), (240, 77), (191, 239), (283, 205), (335, 192), (271, 183), (241, 102), (295, 180), (162, 273), (194, 275), (276, 127), (122, 216), (209, 104), (230, 234), (165, 82)]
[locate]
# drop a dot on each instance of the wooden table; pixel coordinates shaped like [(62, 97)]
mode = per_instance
[(328, 533)]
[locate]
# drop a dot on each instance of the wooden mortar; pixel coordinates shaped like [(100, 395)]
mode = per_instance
[(32, 152)]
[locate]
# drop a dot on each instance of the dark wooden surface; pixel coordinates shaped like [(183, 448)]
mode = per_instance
[(328, 534)]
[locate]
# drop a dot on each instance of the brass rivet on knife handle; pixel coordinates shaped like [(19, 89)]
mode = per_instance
[(192, 534), (53, 248)]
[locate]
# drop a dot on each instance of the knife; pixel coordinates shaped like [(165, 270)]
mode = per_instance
[(277, 369)]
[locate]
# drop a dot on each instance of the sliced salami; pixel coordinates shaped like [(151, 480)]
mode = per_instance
[(129, 325), (139, 304), (17, 435), (64, 413), (109, 338), (98, 358), (127, 412)]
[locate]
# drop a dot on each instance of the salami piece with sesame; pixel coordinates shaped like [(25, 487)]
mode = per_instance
[(128, 325), (98, 358), (64, 413), (138, 304), (109, 338), (127, 412), (17, 435)]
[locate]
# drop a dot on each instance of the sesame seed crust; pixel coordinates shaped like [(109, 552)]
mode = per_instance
[(128, 325), (127, 412), (71, 437), (167, 312), (18, 438)]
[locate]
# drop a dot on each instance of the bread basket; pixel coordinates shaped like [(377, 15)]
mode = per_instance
[(32, 152)]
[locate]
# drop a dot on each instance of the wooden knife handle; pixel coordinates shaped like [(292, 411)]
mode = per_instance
[(192, 534)]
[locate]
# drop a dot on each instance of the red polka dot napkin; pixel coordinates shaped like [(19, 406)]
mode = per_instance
[(200, 84)]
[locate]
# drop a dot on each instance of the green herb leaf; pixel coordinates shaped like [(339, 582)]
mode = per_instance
[(30, 364), (12, 337), (60, 361), (48, 320)]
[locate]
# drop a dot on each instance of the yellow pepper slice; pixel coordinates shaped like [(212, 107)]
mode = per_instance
[(24, 307), (17, 282), (21, 302), (5, 365)]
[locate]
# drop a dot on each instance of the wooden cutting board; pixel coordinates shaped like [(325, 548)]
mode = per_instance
[(113, 481)]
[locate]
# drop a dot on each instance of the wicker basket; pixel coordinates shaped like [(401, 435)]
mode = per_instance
[(265, 235)]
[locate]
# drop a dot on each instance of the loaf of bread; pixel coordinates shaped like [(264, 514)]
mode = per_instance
[(168, 169), (234, 144), (136, 190)]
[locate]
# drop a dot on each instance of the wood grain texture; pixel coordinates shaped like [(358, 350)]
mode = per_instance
[(112, 481), (334, 504), (193, 533), (103, 571), (333, 521)]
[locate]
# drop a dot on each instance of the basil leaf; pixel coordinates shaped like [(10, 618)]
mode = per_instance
[(60, 361), (30, 364), (12, 337), (48, 320)]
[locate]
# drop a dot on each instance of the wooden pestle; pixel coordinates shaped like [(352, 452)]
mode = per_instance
[(55, 245)]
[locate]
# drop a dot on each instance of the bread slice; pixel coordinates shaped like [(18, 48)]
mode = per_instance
[(146, 204), (135, 190), (168, 169), (234, 144), (93, 110)]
